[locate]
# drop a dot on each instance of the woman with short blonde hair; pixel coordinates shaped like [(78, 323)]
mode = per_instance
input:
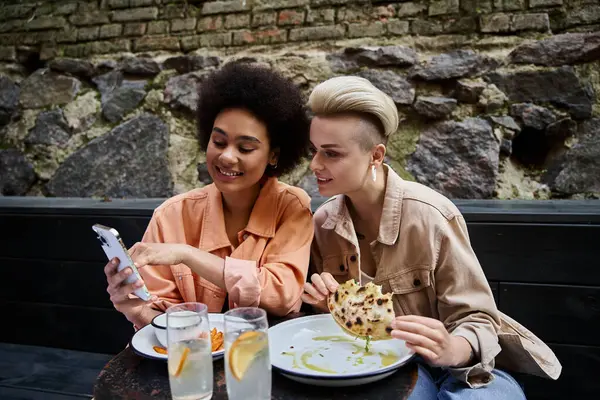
[(413, 242)]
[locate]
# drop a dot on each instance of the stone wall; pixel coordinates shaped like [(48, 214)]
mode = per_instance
[(498, 97)]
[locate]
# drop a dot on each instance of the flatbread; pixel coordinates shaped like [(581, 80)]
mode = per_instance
[(362, 310)]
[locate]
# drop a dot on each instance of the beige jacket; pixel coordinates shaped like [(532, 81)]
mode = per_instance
[(424, 256)]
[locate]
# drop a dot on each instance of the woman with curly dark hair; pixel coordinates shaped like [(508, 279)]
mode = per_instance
[(243, 240)]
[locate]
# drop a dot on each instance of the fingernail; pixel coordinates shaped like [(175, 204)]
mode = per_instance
[(128, 271), (154, 298), (114, 261), (138, 284)]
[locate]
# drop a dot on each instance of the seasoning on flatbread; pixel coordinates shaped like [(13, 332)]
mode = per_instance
[(362, 310)]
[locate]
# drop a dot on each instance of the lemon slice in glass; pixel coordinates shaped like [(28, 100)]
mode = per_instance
[(244, 350), (178, 360)]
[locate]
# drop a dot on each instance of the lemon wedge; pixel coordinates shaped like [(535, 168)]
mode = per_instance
[(175, 367), (244, 350)]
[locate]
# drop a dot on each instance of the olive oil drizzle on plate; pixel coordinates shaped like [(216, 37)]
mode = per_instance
[(360, 352)]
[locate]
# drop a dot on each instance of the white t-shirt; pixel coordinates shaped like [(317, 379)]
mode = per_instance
[(364, 278)]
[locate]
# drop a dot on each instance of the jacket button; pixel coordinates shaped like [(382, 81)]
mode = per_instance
[(353, 258), (342, 267), (417, 282)]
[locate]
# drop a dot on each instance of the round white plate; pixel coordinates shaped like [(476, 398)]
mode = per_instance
[(144, 339), (315, 350)]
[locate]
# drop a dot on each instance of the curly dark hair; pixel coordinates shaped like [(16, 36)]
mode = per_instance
[(270, 97)]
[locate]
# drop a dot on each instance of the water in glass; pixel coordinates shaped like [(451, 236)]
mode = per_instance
[(190, 362), (247, 361)]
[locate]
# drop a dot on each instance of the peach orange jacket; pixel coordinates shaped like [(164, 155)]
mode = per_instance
[(267, 269)]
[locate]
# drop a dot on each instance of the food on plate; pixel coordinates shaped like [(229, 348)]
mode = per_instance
[(362, 310), (216, 340), (244, 350)]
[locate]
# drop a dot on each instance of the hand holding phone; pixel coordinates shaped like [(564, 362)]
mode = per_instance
[(113, 246)]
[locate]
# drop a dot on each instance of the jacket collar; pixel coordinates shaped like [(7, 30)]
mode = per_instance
[(262, 222), (263, 219), (340, 220)]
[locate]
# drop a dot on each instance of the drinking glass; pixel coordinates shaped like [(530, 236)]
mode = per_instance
[(190, 361), (247, 362)]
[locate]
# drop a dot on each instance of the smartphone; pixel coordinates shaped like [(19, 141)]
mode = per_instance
[(113, 246)]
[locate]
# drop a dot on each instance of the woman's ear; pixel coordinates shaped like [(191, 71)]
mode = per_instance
[(378, 154), (274, 158)]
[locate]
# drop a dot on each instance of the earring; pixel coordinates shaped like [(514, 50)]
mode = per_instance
[(373, 173), (274, 166)]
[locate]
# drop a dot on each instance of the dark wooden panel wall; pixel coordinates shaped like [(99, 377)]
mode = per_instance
[(540, 259)]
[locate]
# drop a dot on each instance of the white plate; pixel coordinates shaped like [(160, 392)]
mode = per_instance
[(144, 339), (316, 351)]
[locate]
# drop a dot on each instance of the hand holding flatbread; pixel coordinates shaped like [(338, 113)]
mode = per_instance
[(318, 290), (362, 310)]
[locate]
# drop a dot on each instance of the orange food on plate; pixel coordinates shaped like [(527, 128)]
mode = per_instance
[(216, 339)]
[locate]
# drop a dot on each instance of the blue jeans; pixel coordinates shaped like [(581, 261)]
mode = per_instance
[(438, 384)]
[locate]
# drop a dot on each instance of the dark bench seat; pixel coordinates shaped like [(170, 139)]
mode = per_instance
[(34, 372), (540, 258)]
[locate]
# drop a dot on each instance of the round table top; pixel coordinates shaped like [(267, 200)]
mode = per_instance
[(130, 376)]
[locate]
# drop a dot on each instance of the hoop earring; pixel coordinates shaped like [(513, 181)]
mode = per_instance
[(373, 173)]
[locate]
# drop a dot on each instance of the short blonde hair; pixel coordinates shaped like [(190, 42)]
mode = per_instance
[(353, 94)]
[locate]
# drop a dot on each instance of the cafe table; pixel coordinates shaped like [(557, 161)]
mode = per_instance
[(130, 376)]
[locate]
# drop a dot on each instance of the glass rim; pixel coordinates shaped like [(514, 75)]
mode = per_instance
[(203, 307), (230, 313)]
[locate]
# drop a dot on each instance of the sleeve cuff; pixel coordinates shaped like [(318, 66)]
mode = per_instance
[(241, 282), (471, 337), (474, 376), (161, 305), (158, 305), (479, 374)]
